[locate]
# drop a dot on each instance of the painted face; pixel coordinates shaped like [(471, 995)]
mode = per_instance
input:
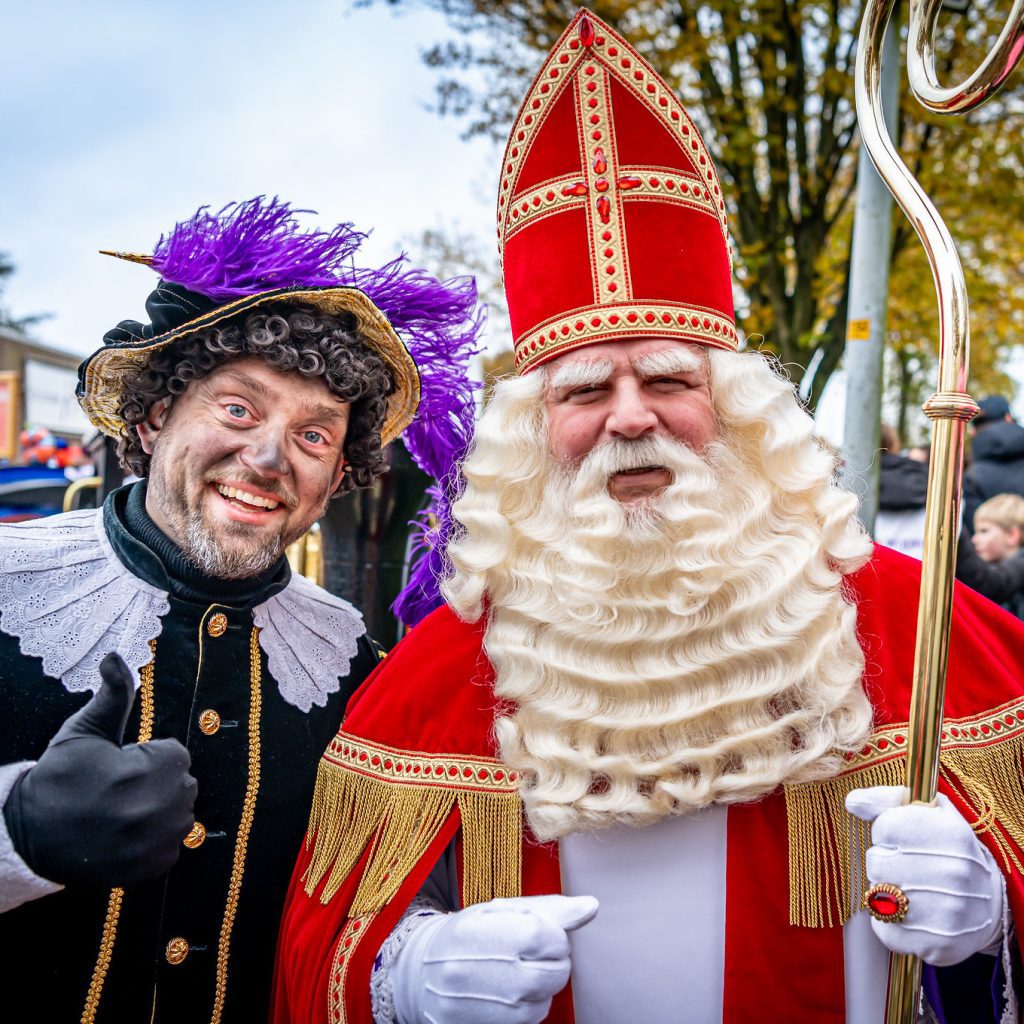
[(993, 542), (627, 391), (243, 463)]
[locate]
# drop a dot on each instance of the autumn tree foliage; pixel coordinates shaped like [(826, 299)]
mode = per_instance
[(770, 82)]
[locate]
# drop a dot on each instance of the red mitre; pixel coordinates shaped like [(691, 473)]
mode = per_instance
[(611, 220)]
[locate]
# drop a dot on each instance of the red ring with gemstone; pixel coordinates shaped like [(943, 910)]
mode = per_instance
[(885, 902)]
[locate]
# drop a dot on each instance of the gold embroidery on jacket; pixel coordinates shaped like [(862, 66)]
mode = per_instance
[(109, 934), (245, 826)]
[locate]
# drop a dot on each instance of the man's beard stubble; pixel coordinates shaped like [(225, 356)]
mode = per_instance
[(222, 550)]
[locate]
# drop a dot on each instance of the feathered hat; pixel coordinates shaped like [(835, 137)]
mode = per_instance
[(611, 218), (216, 266)]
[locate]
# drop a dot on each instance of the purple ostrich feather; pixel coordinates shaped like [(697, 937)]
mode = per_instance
[(257, 245)]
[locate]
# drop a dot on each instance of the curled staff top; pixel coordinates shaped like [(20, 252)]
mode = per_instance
[(987, 78)]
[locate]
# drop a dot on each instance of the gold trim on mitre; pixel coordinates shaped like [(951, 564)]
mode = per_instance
[(611, 56), (395, 802), (588, 326), (981, 759)]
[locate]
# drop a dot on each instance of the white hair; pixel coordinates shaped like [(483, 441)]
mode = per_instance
[(697, 651)]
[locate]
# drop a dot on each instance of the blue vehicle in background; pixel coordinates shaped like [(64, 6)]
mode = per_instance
[(30, 492)]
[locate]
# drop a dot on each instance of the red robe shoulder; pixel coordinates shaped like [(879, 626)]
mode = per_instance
[(432, 692)]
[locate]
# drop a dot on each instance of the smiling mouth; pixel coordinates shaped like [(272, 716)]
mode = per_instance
[(246, 501)]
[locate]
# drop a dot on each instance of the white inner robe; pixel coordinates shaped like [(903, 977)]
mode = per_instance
[(656, 950)]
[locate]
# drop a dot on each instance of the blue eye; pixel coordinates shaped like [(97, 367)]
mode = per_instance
[(237, 411), (313, 436)]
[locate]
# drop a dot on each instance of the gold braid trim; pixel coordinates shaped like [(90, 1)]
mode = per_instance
[(109, 933), (245, 825), (106, 953), (981, 758), (352, 934), (395, 802)]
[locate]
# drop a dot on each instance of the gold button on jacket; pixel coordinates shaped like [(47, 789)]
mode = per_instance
[(177, 950), (196, 837), (209, 721), (218, 624)]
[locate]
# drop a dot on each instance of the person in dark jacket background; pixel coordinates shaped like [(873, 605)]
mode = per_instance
[(997, 456), (903, 487)]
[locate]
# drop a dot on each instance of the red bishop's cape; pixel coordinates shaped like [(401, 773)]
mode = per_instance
[(414, 766)]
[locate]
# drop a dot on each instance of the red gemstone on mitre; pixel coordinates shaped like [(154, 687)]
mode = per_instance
[(587, 33), (884, 903), (604, 209)]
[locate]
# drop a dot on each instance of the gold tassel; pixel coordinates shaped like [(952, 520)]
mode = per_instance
[(492, 846), (411, 823), (395, 804), (991, 780), (347, 810), (828, 846)]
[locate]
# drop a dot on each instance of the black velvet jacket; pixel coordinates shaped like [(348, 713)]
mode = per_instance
[(224, 896)]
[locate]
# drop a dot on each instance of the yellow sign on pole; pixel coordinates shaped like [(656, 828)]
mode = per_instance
[(858, 330), (10, 413)]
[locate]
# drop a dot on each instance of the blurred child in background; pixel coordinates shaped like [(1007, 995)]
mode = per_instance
[(992, 562)]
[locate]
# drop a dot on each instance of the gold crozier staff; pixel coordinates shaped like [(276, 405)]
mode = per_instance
[(950, 408)]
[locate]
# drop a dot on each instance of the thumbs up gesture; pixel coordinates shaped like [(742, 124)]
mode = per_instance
[(95, 812), (494, 963)]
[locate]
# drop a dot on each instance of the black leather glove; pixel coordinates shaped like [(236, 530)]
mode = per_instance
[(92, 812)]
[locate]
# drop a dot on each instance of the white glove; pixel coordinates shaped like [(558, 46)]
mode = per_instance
[(493, 963), (953, 883)]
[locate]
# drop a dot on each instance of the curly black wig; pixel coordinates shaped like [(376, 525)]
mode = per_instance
[(289, 337)]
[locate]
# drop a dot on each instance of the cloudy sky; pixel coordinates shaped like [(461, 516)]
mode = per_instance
[(120, 117)]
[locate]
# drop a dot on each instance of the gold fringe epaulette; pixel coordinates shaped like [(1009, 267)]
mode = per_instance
[(394, 803), (981, 759)]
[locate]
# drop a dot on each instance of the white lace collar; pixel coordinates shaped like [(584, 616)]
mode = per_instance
[(69, 600)]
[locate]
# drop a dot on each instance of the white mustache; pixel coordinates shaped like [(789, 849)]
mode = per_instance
[(621, 456)]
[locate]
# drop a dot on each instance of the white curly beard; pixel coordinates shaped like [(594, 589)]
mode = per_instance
[(662, 657)]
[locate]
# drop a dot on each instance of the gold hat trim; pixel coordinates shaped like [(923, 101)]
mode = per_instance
[(105, 368), (653, 183), (592, 324)]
